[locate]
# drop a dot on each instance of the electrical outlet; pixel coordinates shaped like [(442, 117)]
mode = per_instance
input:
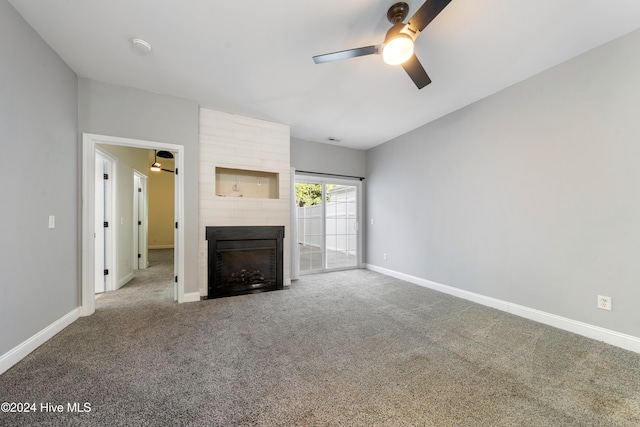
[(604, 303), (384, 256)]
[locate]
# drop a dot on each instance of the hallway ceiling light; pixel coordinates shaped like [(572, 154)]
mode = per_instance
[(156, 167), (165, 154)]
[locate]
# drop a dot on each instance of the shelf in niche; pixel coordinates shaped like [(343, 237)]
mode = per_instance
[(246, 183)]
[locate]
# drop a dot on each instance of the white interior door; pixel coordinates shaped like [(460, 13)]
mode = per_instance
[(140, 221), (105, 224), (136, 222), (99, 224), (143, 222)]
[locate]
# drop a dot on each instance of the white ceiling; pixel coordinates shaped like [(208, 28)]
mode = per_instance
[(254, 57)]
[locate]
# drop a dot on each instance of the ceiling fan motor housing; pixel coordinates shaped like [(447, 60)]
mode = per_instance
[(398, 12), (396, 31)]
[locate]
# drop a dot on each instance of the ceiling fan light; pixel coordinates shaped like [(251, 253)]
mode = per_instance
[(156, 167), (397, 50)]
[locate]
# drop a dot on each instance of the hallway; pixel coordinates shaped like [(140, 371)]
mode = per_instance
[(151, 285)]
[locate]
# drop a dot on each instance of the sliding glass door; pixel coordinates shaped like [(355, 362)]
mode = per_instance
[(327, 224)]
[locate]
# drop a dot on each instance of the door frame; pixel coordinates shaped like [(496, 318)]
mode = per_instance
[(89, 142)]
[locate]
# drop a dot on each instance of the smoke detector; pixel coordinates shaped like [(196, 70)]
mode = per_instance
[(141, 47)]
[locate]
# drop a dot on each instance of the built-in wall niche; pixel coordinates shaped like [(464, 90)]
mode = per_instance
[(246, 183)]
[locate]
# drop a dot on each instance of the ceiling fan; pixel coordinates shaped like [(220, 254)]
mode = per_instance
[(397, 48), (157, 167)]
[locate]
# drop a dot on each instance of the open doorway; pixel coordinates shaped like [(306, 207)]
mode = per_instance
[(161, 200), (90, 143), (125, 213)]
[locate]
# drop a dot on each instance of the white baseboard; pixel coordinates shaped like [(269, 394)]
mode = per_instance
[(628, 342), (19, 352), (191, 297), (160, 247), (126, 279)]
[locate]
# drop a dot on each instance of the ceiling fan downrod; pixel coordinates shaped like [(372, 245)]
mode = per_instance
[(398, 12)]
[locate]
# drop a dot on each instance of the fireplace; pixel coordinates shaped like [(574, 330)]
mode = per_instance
[(244, 260)]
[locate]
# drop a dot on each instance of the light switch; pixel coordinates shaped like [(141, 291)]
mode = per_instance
[(52, 221)]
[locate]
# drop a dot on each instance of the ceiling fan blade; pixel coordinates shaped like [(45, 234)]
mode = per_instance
[(346, 54), (414, 68), (427, 13)]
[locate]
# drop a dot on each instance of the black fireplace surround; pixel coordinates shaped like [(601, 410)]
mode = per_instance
[(244, 260)]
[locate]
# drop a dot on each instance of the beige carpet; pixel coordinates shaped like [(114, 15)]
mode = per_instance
[(352, 348)]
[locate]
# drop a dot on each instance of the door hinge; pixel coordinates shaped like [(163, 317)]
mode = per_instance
[(139, 190), (176, 279), (106, 176), (106, 272), (139, 255), (176, 225), (106, 224), (139, 222), (176, 171)]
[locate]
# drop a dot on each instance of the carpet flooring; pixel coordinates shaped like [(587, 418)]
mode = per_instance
[(350, 348)]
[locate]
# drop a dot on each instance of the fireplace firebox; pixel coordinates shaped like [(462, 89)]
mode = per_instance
[(244, 260)]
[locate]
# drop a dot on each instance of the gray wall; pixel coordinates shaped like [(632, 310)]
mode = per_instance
[(531, 196), (112, 110), (39, 175), (325, 158)]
